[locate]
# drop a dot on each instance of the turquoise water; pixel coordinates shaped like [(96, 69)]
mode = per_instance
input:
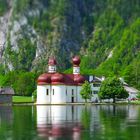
[(101, 122)]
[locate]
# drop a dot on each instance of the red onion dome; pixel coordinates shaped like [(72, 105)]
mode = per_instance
[(79, 79), (76, 129), (52, 61), (57, 131), (76, 60), (57, 78), (44, 79)]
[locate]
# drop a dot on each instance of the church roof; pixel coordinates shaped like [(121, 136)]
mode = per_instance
[(60, 78)]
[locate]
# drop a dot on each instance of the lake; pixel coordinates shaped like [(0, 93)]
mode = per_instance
[(96, 122)]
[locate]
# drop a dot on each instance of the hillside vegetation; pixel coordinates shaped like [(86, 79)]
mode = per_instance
[(105, 33)]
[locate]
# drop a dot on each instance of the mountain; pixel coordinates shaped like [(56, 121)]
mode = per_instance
[(106, 33)]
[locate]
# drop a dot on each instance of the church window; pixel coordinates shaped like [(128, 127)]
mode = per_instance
[(53, 91), (47, 91), (72, 91)]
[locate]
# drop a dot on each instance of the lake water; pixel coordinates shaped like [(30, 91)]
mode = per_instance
[(101, 122)]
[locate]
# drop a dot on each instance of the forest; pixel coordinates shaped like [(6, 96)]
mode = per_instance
[(104, 33)]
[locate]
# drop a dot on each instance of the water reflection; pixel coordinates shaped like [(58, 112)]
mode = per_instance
[(84, 122), (6, 120), (57, 121), (99, 122), (6, 114)]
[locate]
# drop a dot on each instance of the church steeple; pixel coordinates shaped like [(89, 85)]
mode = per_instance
[(52, 65), (76, 62)]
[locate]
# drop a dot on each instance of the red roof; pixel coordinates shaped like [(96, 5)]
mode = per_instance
[(79, 79), (59, 78), (44, 78)]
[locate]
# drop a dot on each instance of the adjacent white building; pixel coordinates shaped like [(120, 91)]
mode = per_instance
[(132, 92)]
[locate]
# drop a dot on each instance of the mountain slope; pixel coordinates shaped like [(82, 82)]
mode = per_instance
[(104, 32)]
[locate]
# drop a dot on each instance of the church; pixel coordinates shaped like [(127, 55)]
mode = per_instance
[(59, 88)]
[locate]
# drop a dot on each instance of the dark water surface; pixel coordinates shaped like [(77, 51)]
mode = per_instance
[(102, 122)]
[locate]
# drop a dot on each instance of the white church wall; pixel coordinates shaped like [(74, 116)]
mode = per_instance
[(43, 94), (71, 94), (58, 94)]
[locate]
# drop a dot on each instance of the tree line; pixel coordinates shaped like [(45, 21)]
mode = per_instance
[(23, 83)]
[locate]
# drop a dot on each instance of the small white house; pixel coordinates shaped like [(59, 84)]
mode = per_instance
[(95, 83), (131, 91)]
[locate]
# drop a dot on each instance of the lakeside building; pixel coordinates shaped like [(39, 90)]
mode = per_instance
[(60, 88), (6, 94), (57, 88), (132, 92)]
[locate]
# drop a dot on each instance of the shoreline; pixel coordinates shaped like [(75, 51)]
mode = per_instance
[(63, 104)]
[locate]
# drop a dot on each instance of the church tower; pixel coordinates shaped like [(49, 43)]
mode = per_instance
[(52, 65), (76, 62)]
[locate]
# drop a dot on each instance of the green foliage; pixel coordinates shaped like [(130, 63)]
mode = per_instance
[(21, 60), (3, 6), (102, 28), (116, 34), (132, 74), (86, 91), (20, 6), (23, 83), (2, 70), (34, 95), (113, 88), (138, 95), (26, 54), (44, 26), (86, 117)]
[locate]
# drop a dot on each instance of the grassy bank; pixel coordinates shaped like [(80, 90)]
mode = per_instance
[(25, 99), (22, 99)]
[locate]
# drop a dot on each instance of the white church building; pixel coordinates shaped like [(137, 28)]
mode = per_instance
[(57, 88)]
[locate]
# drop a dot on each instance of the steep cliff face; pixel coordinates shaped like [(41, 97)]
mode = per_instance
[(40, 28), (104, 32), (5, 14)]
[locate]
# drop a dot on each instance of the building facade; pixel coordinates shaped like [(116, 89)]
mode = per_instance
[(57, 88), (6, 94)]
